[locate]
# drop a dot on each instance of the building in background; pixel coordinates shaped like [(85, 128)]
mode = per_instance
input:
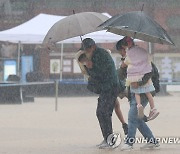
[(165, 12)]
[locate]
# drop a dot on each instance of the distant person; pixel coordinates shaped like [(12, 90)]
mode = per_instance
[(85, 63)]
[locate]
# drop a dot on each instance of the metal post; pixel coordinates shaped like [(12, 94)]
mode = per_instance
[(18, 58), (56, 94), (150, 47), (21, 94), (150, 51), (61, 64)]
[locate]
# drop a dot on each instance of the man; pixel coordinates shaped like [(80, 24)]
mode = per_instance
[(84, 64), (133, 121), (103, 71)]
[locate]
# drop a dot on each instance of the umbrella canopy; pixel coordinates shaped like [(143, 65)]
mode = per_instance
[(75, 25), (137, 25)]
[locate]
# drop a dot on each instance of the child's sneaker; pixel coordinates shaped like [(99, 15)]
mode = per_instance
[(140, 109), (125, 128), (145, 118), (153, 114)]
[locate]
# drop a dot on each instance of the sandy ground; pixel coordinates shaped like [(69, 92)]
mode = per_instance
[(36, 128)]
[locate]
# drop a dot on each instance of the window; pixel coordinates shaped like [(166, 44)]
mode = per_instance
[(9, 68), (67, 65), (54, 66)]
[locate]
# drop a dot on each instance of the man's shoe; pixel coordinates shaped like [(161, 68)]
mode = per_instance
[(113, 141), (126, 147), (125, 128), (150, 146), (102, 143), (105, 145)]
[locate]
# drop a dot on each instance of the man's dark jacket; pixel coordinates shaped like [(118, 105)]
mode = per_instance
[(103, 75)]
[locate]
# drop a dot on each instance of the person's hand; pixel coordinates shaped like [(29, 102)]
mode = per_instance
[(134, 85), (89, 78), (123, 65)]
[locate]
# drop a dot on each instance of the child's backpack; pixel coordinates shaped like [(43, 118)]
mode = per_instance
[(155, 78)]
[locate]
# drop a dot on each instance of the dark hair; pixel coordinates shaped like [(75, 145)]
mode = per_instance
[(81, 57), (87, 43), (123, 42)]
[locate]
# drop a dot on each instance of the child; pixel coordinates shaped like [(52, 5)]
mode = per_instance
[(139, 64), (86, 64)]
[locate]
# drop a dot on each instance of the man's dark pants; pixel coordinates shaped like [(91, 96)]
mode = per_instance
[(106, 104)]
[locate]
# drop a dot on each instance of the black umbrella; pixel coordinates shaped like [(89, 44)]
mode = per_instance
[(137, 25)]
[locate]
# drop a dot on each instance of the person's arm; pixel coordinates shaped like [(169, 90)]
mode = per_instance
[(122, 73), (125, 62), (145, 79), (93, 86)]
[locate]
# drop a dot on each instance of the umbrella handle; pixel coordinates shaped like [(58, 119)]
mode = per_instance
[(134, 35), (81, 38)]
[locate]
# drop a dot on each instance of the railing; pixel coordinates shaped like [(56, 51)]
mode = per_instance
[(170, 83)]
